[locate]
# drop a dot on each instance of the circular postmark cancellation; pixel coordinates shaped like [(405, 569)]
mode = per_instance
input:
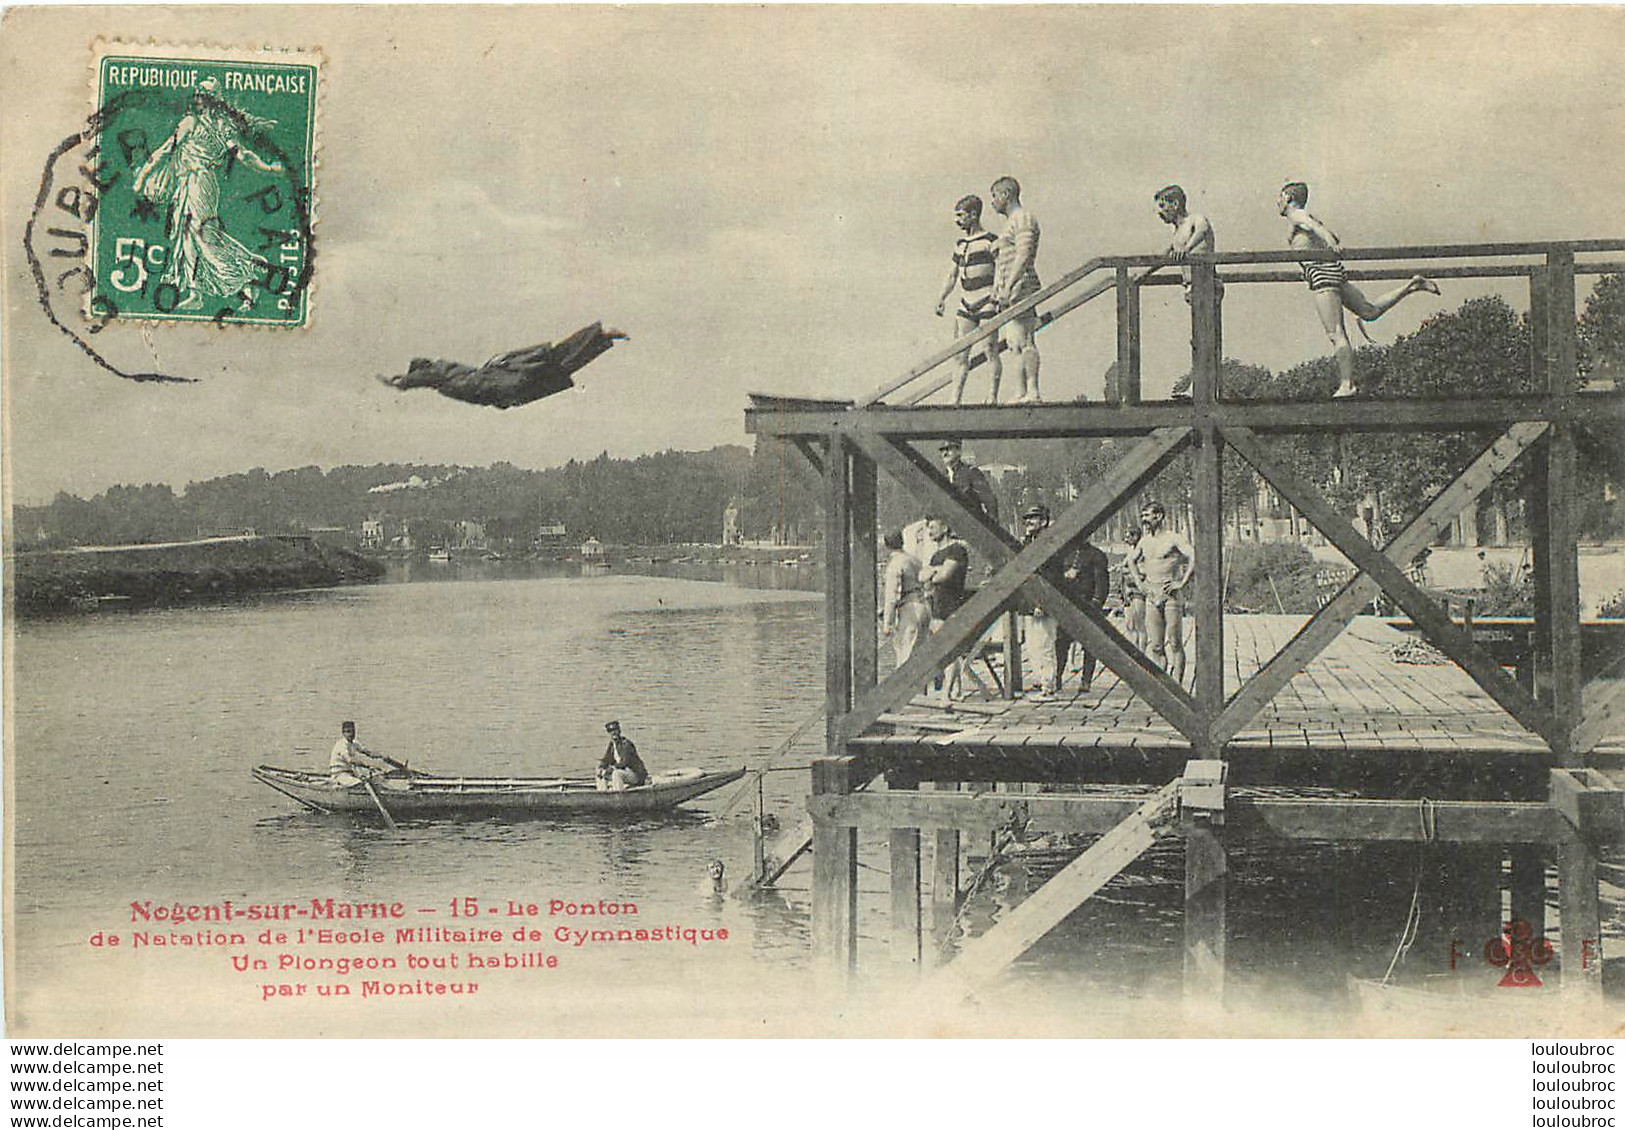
[(188, 196)]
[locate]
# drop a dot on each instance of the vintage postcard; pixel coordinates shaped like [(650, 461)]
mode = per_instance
[(813, 520)]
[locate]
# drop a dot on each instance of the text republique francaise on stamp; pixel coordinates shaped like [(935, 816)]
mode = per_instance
[(206, 192)]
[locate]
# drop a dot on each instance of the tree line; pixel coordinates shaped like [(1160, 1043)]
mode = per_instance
[(1480, 348)]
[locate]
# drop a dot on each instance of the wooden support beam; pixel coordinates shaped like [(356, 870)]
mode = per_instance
[(1591, 802), (1601, 706), (1529, 887), (1206, 883), (1536, 511), (783, 850), (1202, 812), (865, 575), (985, 957), (1266, 417), (944, 884), (837, 592), (1286, 818), (1437, 626), (1012, 656), (1330, 621), (1128, 341), (1017, 570), (1208, 607), (835, 877), (1562, 577), (811, 451), (905, 894), (1580, 919)]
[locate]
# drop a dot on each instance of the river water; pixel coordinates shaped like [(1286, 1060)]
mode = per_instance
[(135, 733)]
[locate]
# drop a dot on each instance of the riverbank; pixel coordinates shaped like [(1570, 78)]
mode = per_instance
[(86, 578)]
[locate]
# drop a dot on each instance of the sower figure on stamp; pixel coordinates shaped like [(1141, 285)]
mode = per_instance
[(183, 174), (1329, 284), (1162, 562), (620, 768), (1193, 233), (1015, 279), (351, 762), (972, 274)]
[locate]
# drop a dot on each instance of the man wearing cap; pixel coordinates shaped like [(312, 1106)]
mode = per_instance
[(968, 480), (621, 767), (1043, 635), (350, 758)]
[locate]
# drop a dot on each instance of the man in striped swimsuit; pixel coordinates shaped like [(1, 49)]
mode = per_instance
[(1016, 280), (1329, 283), (972, 273)]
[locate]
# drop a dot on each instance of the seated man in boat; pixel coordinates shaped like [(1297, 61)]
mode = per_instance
[(349, 764), (621, 767)]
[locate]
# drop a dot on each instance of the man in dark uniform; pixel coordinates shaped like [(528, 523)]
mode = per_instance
[(1086, 577), (969, 481), (621, 767)]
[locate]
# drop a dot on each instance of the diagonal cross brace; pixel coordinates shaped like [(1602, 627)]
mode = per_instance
[(1017, 931), (1018, 571), (1603, 703), (1328, 623), (1437, 626)]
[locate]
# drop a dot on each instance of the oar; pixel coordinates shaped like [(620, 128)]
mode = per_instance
[(389, 821)]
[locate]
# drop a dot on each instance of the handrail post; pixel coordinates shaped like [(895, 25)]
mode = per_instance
[(1560, 473), (1127, 388), (1208, 497)]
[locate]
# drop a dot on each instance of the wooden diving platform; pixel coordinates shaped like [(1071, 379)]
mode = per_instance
[(1504, 768)]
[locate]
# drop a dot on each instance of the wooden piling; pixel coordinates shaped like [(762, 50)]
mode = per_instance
[(1579, 918), (905, 893), (835, 878)]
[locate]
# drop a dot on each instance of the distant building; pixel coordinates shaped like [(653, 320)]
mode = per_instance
[(470, 534), (372, 533), (730, 525), (592, 550), (551, 534), (329, 535)]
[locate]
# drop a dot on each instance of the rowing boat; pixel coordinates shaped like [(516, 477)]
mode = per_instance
[(408, 794)]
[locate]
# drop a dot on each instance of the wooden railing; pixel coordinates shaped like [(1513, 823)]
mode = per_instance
[(1125, 275)]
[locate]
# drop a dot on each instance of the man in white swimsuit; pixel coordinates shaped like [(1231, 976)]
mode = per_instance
[(1162, 562)]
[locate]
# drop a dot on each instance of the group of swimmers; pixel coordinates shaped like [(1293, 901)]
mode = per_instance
[(927, 569), (995, 273)]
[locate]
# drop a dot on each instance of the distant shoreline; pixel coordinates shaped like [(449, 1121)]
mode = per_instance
[(50, 582)]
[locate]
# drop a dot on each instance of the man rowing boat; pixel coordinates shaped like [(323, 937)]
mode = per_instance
[(348, 764)]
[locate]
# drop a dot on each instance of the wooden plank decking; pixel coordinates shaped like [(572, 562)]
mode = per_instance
[(1356, 714)]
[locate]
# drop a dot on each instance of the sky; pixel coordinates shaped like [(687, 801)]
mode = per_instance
[(761, 199)]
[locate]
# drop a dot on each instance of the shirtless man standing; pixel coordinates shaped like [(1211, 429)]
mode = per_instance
[(1329, 284), (1192, 233), (1161, 563), (1016, 279)]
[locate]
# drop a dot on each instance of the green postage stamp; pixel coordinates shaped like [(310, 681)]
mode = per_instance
[(206, 169)]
